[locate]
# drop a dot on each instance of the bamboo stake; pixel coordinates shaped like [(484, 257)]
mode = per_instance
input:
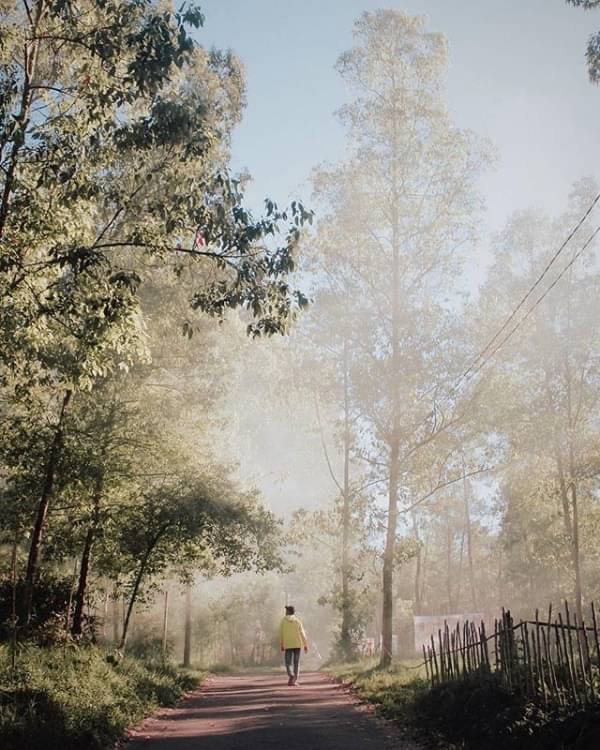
[(526, 671), (561, 661), (453, 652), (484, 647), (496, 644), (426, 665), (457, 650), (581, 659), (532, 661), (549, 627), (569, 659), (503, 651), (588, 661), (442, 657), (435, 662), (553, 683), (448, 651), (475, 643), (466, 643), (461, 651), (596, 638), (540, 658), (510, 648), (570, 638)]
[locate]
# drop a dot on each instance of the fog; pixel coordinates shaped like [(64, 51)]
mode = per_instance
[(421, 438), (497, 492)]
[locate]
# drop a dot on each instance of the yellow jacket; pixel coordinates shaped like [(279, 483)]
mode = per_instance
[(291, 633)]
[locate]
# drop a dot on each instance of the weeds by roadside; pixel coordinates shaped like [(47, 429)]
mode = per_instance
[(68, 698), (469, 715)]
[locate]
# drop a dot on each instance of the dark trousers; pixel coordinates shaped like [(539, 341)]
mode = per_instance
[(292, 654)]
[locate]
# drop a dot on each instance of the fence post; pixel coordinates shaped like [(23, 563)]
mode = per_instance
[(435, 662), (427, 665)]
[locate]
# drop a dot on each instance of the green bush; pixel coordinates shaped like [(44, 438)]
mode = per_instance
[(221, 668), (481, 714), (471, 714), (74, 697)]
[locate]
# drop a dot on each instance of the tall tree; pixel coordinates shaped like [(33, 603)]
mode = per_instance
[(548, 373), (593, 46), (115, 128), (400, 208)]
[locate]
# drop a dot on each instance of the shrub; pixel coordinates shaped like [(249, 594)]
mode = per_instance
[(472, 714), (73, 697)]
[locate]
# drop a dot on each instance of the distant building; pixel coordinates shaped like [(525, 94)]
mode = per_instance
[(429, 625)]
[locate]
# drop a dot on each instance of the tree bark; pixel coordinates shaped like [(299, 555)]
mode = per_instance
[(44, 503), (576, 552), (394, 439), (469, 538), (13, 615), (449, 546), (115, 615), (345, 631), (165, 627), (22, 118), (86, 557), (571, 525), (187, 632), (418, 568), (387, 613), (134, 592)]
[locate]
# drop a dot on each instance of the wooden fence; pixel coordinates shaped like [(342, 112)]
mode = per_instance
[(554, 660)]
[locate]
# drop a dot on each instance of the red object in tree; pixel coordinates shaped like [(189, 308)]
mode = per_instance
[(199, 240)]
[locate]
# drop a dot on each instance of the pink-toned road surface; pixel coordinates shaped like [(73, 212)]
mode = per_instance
[(260, 712)]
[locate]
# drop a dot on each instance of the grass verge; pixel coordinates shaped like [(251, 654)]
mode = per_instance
[(469, 714), (72, 697)]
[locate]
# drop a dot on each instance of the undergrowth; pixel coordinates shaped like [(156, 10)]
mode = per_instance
[(470, 714), (69, 698)]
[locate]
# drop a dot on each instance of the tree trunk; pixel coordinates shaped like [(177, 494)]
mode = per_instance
[(576, 550), (86, 556), (71, 594), (568, 490), (449, 545), (345, 632), (469, 539), (576, 553), (77, 625), (418, 568), (387, 613), (13, 615), (571, 525), (31, 49), (187, 633), (115, 615), (133, 597), (165, 628), (44, 502), (104, 616)]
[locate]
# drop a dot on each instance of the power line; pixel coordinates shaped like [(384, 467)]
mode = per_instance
[(530, 311), (473, 366)]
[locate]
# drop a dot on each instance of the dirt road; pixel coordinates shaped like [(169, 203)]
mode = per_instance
[(259, 712)]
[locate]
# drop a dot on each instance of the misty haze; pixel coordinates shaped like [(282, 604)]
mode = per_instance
[(299, 374)]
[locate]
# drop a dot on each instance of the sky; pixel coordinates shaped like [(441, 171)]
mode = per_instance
[(517, 76)]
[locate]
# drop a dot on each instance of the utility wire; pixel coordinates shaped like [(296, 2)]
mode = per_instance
[(481, 359), (473, 367), (530, 311)]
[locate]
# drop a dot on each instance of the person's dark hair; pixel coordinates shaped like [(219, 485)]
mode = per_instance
[(289, 610)]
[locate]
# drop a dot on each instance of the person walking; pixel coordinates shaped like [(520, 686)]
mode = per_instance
[(292, 639)]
